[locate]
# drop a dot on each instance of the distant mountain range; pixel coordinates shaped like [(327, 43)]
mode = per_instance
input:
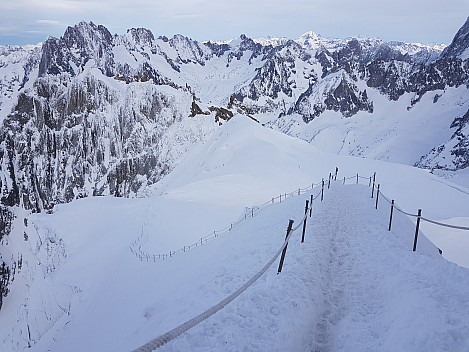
[(93, 113)]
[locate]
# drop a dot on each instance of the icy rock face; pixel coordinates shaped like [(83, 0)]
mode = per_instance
[(460, 44), (88, 112), (6, 274), (454, 154), (338, 94), (70, 138), (78, 45)]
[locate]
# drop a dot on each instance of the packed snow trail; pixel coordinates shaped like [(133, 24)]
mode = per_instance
[(352, 286)]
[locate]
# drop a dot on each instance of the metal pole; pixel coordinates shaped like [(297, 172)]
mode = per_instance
[(390, 217), (322, 190), (282, 258), (377, 197), (311, 206), (417, 229), (304, 222)]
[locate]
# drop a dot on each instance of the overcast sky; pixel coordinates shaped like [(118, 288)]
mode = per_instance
[(424, 21)]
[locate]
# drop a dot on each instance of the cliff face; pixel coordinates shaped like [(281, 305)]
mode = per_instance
[(73, 137)]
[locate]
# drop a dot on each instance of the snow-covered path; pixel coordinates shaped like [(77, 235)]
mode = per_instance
[(378, 295), (352, 286)]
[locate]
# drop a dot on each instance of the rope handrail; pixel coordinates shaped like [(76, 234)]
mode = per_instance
[(174, 333), (457, 227), (445, 225), (139, 253)]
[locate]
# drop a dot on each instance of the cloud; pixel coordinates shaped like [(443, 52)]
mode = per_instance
[(50, 22)]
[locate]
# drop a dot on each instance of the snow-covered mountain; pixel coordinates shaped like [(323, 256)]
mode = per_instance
[(92, 113), (352, 285)]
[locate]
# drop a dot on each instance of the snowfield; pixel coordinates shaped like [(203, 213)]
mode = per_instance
[(352, 286)]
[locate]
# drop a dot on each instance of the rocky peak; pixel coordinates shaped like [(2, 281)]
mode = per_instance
[(459, 47), (140, 37), (86, 36), (78, 45), (189, 50)]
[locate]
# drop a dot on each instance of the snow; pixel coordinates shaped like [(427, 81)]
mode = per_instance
[(389, 133), (351, 286)]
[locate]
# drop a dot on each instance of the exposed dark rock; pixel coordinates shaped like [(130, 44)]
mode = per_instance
[(460, 43)]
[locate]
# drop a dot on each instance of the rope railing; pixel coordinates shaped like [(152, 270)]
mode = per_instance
[(418, 216), (136, 246), (174, 333), (423, 218)]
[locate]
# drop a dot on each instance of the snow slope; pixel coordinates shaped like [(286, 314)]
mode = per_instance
[(82, 288)]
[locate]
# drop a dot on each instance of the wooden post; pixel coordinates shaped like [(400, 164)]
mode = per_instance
[(357, 178), (329, 182), (369, 183), (372, 189), (390, 216), (311, 206), (304, 222), (377, 197), (272, 200), (282, 258), (417, 229), (322, 190), (280, 198), (252, 212)]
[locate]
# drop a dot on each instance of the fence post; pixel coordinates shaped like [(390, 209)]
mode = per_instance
[(417, 229), (311, 206), (372, 189), (322, 190), (304, 222), (252, 212), (344, 181), (390, 216), (282, 258), (369, 183), (280, 198), (357, 178), (377, 197), (329, 182)]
